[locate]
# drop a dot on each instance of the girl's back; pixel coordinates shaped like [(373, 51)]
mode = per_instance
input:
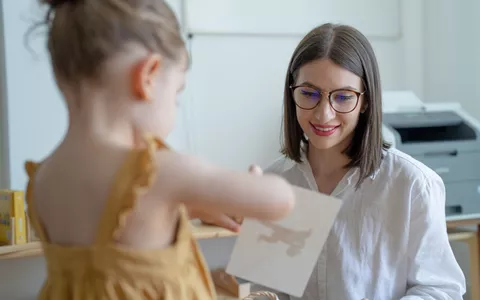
[(72, 204), (108, 243)]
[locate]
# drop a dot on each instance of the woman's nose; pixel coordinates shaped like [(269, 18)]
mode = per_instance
[(324, 112)]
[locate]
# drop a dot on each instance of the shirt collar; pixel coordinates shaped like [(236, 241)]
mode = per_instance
[(349, 179)]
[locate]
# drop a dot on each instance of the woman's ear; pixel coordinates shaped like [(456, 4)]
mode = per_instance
[(144, 75), (364, 107)]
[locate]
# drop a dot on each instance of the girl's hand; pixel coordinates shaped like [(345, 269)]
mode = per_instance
[(217, 219)]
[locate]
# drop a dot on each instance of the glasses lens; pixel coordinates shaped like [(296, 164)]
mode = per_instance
[(343, 101), (306, 97)]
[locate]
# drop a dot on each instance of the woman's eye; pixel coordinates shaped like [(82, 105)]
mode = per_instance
[(309, 93), (344, 96)]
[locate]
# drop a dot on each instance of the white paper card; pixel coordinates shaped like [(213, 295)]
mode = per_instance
[(281, 255)]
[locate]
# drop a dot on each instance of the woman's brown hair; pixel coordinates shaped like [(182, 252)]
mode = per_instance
[(84, 34), (350, 49)]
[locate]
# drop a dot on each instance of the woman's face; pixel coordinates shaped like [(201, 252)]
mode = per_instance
[(324, 126)]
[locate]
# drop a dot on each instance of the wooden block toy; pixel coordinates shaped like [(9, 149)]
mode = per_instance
[(235, 286)]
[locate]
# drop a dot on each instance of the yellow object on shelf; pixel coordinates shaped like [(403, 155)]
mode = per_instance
[(13, 225), (31, 235)]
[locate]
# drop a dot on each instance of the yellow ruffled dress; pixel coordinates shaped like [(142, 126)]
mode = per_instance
[(106, 270)]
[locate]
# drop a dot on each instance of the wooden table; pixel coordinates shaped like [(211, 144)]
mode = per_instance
[(472, 239), (200, 231)]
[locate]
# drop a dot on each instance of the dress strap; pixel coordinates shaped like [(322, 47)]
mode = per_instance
[(31, 169), (133, 180)]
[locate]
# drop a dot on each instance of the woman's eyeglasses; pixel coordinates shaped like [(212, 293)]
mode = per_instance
[(342, 100)]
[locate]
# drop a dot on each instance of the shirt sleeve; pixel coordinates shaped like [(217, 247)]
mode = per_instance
[(433, 271)]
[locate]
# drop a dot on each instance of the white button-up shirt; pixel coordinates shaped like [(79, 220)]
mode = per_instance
[(389, 240)]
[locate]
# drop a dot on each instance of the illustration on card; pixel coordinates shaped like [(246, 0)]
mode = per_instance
[(295, 239)]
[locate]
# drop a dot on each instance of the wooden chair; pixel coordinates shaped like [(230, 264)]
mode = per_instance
[(471, 239)]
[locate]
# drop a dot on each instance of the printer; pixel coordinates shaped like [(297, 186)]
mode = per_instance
[(444, 137)]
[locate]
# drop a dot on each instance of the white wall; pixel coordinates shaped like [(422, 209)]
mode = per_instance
[(4, 169), (452, 52), (236, 79)]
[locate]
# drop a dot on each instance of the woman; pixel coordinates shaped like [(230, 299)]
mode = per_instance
[(389, 240)]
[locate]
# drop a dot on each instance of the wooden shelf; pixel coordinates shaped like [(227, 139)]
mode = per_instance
[(200, 232), (460, 235), (21, 251)]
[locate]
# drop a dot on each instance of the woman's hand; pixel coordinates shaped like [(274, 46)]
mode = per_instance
[(231, 223)]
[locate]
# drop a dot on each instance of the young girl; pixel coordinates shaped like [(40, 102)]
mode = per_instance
[(389, 240), (108, 202)]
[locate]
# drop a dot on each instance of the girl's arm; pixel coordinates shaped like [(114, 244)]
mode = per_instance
[(216, 218), (202, 185)]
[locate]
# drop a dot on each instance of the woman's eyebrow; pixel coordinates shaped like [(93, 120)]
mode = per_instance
[(307, 83), (347, 87)]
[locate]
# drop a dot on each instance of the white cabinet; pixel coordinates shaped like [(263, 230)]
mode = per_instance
[(380, 18)]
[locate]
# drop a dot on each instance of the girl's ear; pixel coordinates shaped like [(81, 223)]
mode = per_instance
[(143, 77)]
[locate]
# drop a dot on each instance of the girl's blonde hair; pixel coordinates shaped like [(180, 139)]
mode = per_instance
[(84, 34)]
